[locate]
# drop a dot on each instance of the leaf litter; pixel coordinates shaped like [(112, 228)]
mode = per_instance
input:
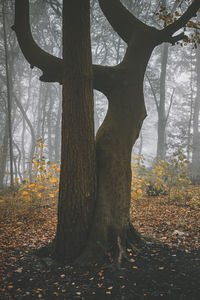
[(166, 267)]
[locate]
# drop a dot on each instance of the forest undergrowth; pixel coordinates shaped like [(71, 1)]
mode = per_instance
[(165, 206)]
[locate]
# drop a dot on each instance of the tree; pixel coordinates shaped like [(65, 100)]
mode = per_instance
[(94, 223), (196, 135), (9, 100)]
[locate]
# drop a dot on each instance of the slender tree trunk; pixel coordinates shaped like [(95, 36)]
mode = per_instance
[(49, 129), (39, 111), (4, 152), (196, 134), (161, 142), (77, 180), (58, 128), (189, 134), (32, 132), (19, 162), (140, 147), (9, 101)]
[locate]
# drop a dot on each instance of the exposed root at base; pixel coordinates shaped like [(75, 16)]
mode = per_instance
[(97, 253)]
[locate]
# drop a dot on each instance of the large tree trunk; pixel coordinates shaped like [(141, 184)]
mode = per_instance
[(123, 86), (77, 180)]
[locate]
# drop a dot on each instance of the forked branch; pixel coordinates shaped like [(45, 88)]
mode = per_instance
[(51, 66), (168, 32), (122, 21)]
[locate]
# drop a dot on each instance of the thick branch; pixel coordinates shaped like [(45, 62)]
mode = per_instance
[(122, 21), (167, 33), (101, 78), (51, 66)]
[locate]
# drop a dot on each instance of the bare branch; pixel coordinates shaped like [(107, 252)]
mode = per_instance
[(174, 39), (167, 32), (51, 66), (122, 21)]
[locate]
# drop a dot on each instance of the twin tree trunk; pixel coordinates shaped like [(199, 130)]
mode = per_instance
[(100, 224), (95, 181)]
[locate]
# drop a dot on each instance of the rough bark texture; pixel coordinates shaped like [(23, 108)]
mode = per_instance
[(123, 87), (77, 178)]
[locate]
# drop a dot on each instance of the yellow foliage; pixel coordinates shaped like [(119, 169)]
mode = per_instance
[(163, 175), (25, 193), (45, 178)]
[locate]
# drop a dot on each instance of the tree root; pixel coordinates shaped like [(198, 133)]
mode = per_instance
[(114, 253)]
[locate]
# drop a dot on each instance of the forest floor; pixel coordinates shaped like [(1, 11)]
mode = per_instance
[(167, 266)]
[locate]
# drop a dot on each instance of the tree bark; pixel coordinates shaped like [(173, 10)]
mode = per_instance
[(77, 178), (115, 138)]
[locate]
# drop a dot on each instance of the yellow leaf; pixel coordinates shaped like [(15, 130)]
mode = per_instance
[(10, 286), (53, 180), (40, 140), (17, 180), (135, 267), (51, 195), (54, 166), (25, 193)]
